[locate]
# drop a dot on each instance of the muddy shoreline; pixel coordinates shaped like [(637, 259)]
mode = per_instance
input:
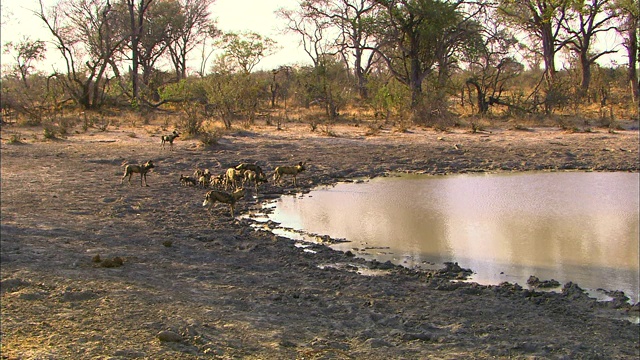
[(192, 286)]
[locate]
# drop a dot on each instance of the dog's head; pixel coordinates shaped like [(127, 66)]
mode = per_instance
[(175, 133), (207, 199), (149, 164)]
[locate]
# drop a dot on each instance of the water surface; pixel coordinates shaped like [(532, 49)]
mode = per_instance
[(567, 226)]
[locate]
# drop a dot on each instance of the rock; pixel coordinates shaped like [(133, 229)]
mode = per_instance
[(169, 336), (111, 263), (535, 282)]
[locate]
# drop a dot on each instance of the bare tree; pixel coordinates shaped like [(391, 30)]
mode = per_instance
[(83, 32), (136, 23), (210, 32), (354, 21), (315, 34), (313, 30), (193, 26)]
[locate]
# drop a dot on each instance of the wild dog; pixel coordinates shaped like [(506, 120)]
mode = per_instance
[(204, 181), (252, 176), (288, 170), (214, 195), (187, 180), (203, 177), (253, 167), (143, 169), (217, 180), (231, 178), (169, 139)]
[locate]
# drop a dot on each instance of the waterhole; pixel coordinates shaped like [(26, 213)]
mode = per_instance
[(567, 226)]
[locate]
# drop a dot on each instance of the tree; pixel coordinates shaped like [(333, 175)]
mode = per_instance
[(247, 49), (543, 20), (84, 33), (26, 53), (492, 65), (136, 23), (314, 30), (192, 27), (22, 88), (412, 33), (590, 19), (629, 11), (355, 21), (211, 32)]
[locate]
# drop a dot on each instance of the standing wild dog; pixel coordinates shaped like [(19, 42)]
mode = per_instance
[(205, 178), (231, 178), (253, 167), (252, 176), (169, 139), (214, 195), (143, 169), (288, 170)]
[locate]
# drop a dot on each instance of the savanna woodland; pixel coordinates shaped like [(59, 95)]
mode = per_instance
[(95, 267)]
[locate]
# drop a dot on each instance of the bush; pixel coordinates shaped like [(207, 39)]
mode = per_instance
[(210, 137)]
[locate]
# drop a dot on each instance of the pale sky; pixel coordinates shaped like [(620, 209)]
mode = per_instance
[(232, 15)]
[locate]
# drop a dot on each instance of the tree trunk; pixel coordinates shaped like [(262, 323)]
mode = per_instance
[(134, 52), (586, 73), (360, 76), (548, 51), (415, 83), (633, 50), (483, 105)]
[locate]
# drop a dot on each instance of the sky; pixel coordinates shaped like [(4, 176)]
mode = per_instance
[(232, 15)]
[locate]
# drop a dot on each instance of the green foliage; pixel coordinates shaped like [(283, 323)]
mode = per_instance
[(246, 49)]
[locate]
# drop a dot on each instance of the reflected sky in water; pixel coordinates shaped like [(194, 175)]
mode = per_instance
[(569, 226)]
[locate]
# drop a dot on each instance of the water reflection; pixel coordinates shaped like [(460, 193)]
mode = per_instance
[(570, 226)]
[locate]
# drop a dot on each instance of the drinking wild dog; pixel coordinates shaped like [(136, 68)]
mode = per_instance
[(214, 195), (143, 169), (169, 139), (288, 170)]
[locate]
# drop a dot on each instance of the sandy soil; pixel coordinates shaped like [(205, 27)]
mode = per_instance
[(175, 282)]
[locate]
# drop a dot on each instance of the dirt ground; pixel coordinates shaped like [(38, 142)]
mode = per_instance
[(92, 268)]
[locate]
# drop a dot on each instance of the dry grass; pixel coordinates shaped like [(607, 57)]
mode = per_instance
[(315, 120)]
